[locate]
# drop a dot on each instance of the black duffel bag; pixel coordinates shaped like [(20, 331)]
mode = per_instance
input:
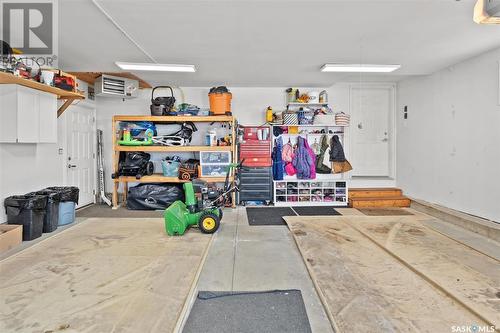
[(153, 196)]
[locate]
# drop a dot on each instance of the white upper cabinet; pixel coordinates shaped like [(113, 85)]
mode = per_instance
[(27, 115)]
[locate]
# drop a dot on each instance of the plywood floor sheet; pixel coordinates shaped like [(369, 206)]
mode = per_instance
[(392, 274), (103, 275)]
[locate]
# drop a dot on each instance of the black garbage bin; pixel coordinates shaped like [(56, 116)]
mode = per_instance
[(28, 211), (51, 218), (69, 199)]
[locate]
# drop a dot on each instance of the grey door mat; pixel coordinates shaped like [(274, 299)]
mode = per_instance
[(268, 215), (384, 211), (315, 211), (105, 211), (248, 312)]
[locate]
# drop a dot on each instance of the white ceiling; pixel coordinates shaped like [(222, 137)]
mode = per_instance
[(271, 43)]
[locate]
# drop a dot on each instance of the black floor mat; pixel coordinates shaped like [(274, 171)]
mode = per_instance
[(228, 312), (315, 211), (268, 215)]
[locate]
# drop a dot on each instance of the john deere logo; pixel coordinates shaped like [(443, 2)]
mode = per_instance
[(28, 26)]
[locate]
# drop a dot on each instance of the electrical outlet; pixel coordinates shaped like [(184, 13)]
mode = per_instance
[(60, 151)]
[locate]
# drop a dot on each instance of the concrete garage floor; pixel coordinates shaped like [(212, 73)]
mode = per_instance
[(261, 258), (258, 258)]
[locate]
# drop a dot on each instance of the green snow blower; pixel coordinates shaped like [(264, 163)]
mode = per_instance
[(202, 207)]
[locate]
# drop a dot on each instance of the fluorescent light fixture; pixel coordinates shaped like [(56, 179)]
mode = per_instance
[(134, 66), (359, 68)]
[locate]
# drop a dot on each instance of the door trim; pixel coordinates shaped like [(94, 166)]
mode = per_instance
[(392, 120)]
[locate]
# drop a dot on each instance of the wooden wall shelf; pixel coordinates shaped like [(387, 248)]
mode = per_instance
[(175, 119), (67, 96), (167, 149)]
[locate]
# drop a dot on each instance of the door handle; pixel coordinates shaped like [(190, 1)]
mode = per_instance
[(385, 140), (70, 166), (360, 125)]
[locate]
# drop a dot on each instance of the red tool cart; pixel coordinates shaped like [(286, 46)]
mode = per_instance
[(256, 180), (255, 148)]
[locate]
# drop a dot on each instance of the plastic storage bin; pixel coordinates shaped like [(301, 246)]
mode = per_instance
[(51, 219), (215, 170), (215, 157), (28, 211), (69, 199), (67, 213), (214, 164)]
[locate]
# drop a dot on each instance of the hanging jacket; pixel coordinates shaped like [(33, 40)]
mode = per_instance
[(277, 159), (320, 166), (312, 174), (302, 161), (336, 150)]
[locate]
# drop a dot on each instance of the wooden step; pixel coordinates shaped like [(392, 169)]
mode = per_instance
[(378, 202), (375, 192)]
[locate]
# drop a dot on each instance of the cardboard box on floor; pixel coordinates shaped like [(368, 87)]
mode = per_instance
[(11, 235)]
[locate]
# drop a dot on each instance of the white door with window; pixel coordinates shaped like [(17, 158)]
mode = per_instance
[(80, 154), (372, 108)]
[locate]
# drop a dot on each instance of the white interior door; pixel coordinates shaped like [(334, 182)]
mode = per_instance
[(80, 154), (371, 110)]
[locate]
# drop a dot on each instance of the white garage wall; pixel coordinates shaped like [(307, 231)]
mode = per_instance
[(248, 105), (448, 150), (28, 167)]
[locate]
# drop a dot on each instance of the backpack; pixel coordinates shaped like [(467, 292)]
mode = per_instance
[(287, 152)]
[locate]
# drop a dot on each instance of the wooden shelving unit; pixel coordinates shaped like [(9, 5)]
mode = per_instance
[(67, 96), (159, 178)]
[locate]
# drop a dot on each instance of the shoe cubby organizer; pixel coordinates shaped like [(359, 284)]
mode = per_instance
[(310, 193)]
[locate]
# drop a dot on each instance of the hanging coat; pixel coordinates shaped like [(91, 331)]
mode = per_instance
[(302, 161), (336, 150), (277, 159), (312, 174), (320, 165)]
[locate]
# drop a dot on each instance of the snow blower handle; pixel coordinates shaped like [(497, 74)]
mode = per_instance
[(239, 166), (236, 166)]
